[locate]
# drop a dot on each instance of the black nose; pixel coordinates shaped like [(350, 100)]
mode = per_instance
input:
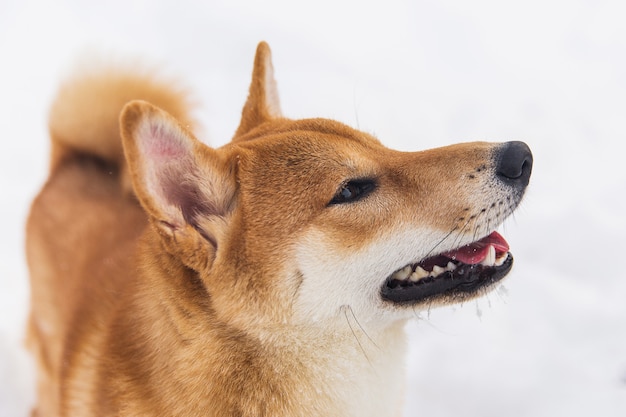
[(514, 164)]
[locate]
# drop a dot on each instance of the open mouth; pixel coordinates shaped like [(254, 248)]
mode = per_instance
[(457, 274)]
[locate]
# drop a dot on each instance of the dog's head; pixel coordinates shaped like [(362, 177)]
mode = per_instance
[(296, 220)]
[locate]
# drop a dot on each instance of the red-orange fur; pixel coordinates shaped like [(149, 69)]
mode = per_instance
[(141, 308)]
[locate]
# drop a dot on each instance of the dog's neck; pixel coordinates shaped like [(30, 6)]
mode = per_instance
[(359, 372), (347, 371), (342, 369)]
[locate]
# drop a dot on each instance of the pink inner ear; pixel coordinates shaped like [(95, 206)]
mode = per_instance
[(164, 144), (171, 175)]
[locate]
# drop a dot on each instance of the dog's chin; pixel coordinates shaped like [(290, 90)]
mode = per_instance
[(453, 276)]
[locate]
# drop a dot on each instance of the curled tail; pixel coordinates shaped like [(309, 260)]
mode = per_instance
[(84, 116)]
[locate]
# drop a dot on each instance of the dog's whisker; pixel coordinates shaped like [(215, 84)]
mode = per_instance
[(477, 230), (415, 313), (441, 241), (344, 308), (479, 311), (356, 109), (361, 327), (459, 234)]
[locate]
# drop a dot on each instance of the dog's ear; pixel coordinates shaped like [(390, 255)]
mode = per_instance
[(183, 185), (263, 103)]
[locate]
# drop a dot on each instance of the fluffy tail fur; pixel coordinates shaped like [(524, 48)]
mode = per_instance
[(84, 115)]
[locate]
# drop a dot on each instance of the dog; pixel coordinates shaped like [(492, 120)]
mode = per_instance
[(272, 276)]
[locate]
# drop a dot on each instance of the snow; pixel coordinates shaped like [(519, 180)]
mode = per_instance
[(418, 74)]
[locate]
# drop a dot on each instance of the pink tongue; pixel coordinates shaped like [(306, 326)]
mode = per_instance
[(476, 252)]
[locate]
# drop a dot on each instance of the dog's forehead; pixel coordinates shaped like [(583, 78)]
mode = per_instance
[(324, 129), (302, 143)]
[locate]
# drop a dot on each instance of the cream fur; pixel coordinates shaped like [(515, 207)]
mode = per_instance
[(229, 281)]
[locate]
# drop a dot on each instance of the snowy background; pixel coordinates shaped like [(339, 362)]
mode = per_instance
[(418, 74)]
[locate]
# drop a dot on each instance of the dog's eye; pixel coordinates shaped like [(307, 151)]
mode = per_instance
[(353, 190)]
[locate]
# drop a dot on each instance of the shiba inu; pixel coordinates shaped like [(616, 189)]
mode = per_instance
[(271, 276)]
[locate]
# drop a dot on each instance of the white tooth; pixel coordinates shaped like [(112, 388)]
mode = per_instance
[(501, 259), (418, 274), (451, 266), (490, 260), (437, 270), (402, 274)]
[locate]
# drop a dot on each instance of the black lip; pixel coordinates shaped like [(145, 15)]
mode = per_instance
[(463, 283)]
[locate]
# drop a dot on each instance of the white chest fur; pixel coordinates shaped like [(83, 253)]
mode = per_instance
[(355, 374)]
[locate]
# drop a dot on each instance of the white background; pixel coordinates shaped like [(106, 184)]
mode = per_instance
[(418, 74)]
